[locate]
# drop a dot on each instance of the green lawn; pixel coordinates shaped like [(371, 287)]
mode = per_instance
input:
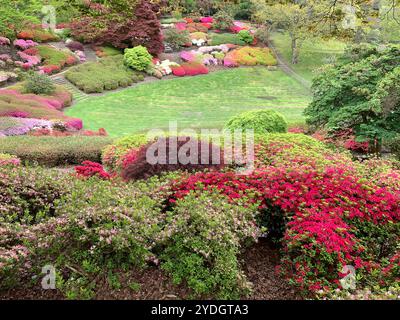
[(195, 102), (313, 53)]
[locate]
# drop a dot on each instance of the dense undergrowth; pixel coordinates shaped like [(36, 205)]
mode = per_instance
[(322, 209)]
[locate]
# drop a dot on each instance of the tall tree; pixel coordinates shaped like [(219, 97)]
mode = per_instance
[(295, 18)]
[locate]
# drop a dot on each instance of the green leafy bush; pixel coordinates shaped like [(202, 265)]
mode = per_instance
[(28, 195), (177, 38), (245, 36), (138, 58), (109, 73), (223, 20), (202, 242), (226, 38), (55, 151), (39, 84), (262, 121), (262, 34)]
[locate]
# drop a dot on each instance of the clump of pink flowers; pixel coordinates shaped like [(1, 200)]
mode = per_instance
[(24, 44), (4, 41)]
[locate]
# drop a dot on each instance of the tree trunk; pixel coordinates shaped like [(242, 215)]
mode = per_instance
[(295, 52)]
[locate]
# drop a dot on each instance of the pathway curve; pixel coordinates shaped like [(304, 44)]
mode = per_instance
[(286, 68)]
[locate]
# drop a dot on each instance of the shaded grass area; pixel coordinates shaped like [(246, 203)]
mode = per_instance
[(194, 102), (313, 53)]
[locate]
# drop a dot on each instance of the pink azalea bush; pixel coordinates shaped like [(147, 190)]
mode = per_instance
[(4, 41), (24, 44)]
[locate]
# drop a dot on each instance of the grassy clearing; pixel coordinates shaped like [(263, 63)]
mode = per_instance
[(198, 102), (313, 53)]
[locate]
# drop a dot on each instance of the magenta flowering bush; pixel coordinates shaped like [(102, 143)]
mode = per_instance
[(188, 56), (29, 60), (24, 44)]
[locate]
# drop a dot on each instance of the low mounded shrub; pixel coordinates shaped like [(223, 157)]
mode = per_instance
[(39, 84), (226, 38), (245, 36), (261, 121), (138, 58), (55, 151), (54, 60), (75, 46), (109, 73), (223, 21), (157, 157), (251, 56), (194, 68), (177, 38), (8, 159), (15, 103)]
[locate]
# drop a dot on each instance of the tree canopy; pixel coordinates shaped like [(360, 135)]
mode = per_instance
[(361, 92)]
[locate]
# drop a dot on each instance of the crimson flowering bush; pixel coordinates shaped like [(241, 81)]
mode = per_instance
[(323, 217), (92, 169), (194, 68)]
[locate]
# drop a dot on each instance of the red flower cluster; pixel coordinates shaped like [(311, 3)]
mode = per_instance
[(92, 169), (194, 68), (323, 207)]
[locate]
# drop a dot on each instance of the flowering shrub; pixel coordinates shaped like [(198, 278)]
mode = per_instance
[(24, 44), (207, 20), (203, 241), (76, 124), (165, 67), (7, 159), (182, 26), (21, 126), (178, 71), (196, 27), (54, 60), (37, 34), (194, 68), (251, 56), (12, 101), (328, 211), (91, 169)]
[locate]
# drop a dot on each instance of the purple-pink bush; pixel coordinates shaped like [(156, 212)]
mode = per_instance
[(21, 126), (24, 44)]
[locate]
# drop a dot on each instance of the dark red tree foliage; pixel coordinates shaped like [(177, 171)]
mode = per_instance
[(136, 165), (140, 27)]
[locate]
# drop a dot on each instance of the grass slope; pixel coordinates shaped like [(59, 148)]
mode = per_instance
[(195, 102), (313, 53)]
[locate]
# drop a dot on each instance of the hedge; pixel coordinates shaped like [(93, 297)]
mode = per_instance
[(55, 151)]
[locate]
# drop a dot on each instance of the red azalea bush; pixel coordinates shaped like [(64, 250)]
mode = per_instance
[(327, 213), (194, 68), (92, 169), (178, 71)]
